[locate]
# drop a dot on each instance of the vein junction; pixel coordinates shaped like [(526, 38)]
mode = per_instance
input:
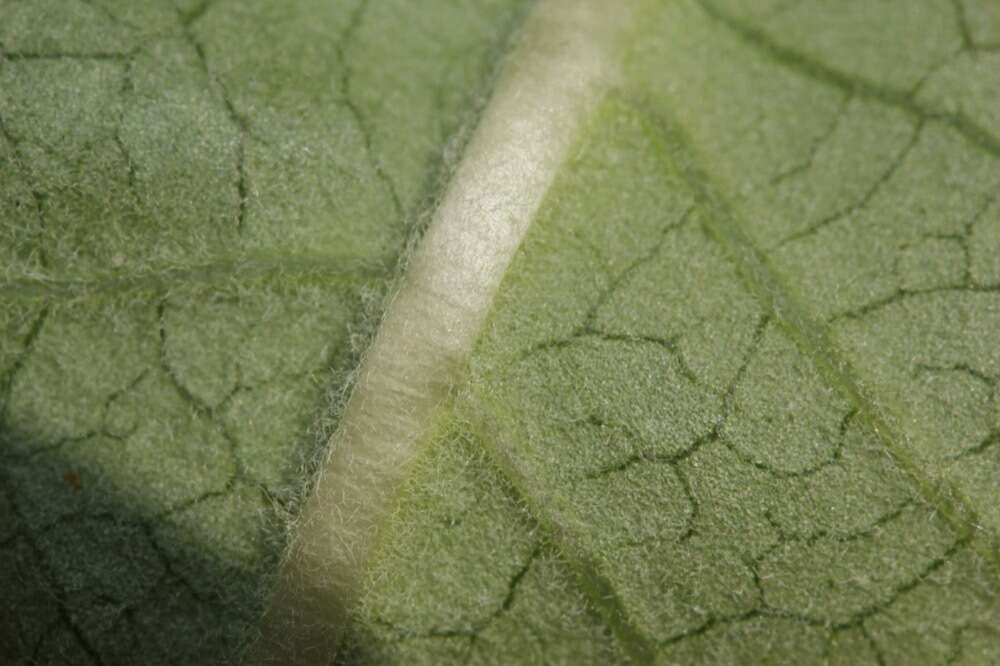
[(554, 78)]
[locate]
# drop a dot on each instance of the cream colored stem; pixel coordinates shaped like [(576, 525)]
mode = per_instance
[(559, 69)]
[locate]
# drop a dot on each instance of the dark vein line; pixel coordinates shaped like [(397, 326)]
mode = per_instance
[(690, 529), (869, 530), (27, 346), (588, 328), (873, 609), (585, 333), (623, 276), (78, 635), (876, 648), (346, 79), (60, 596), (900, 295), (756, 339), (961, 240), (817, 144), (237, 119), (992, 440), (481, 625), (41, 450), (169, 570), (859, 205), (816, 70), (856, 619), (205, 411), (43, 637), (970, 225), (508, 600), (111, 16), (962, 25), (710, 624), (729, 397), (191, 17), (989, 380), (126, 90), (586, 573), (38, 197), (830, 461), (932, 71), (196, 404), (656, 458), (810, 335)]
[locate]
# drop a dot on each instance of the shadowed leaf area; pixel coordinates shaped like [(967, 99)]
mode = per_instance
[(736, 401), (201, 204)]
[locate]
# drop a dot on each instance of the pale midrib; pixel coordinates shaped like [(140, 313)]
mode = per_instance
[(564, 60)]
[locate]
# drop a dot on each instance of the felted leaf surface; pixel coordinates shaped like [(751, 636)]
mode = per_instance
[(201, 205), (742, 372), (736, 401)]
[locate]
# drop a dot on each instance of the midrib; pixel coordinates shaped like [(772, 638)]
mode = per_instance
[(564, 60)]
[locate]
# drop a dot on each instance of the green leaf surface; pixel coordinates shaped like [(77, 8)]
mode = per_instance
[(742, 373), (202, 204), (736, 400)]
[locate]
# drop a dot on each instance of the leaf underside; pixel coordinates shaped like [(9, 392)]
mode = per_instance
[(202, 203), (736, 401)]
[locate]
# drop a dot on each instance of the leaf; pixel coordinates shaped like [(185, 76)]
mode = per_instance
[(740, 377), (202, 205), (735, 400)]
